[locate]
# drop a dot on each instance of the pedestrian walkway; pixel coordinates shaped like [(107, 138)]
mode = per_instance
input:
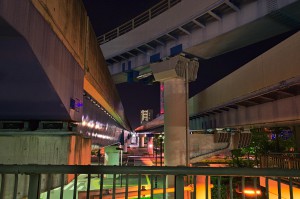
[(141, 158)]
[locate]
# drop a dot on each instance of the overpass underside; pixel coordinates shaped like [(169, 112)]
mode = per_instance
[(53, 76), (48, 58), (264, 92)]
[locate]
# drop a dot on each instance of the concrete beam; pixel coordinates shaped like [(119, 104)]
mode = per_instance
[(252, 77)]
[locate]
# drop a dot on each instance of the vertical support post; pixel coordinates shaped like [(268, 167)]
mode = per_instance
[(164, 178), (219, 187), (101, 185), (291, 188), (33, 186), (2, 185), (88, 186), (62, 184), (114, 186), (230, 187), (206, 187), (187, 156), (149, 14), (75, 186), (152, 187), (243, 187), (118, 31), (16, 186), (255, 186), (179, 186), (195, 186), (139, 185), (126, 189), (279, 187), (161, 151), (267, 187)]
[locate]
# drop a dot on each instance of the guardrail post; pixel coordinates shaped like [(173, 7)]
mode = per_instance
[(33, 190), (179, 186), (2, 187), (150, 14), (118, 31)]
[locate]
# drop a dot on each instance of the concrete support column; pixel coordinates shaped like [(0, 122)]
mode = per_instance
[(176, 72), (150, 146), (142, 140), (175, 122)]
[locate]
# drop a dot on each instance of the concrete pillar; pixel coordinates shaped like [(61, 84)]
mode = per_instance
[(175, 122), (150, 146), (142, 140), (175, 72)]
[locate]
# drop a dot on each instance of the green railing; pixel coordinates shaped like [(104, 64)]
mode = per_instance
[(45, 178), (284, 161)]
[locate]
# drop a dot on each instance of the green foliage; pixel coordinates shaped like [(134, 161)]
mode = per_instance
[(280, 144), (261, 145)]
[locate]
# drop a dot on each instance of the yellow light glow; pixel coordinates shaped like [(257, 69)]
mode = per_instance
[(252, 192)]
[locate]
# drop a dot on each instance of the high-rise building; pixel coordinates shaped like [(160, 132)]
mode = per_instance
[(146, 115)]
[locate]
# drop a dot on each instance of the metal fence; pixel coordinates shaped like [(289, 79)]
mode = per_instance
[(159, 8), (216, 182), (284, 161)]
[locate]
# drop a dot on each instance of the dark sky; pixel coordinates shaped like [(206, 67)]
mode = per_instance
[(108, 14)]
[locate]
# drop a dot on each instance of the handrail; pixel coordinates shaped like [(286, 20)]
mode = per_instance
[(279, 161), (40, 178), (158, 170), (154, 11)]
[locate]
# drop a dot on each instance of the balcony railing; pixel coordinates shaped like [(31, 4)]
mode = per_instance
[(159, 8), (284, 161), (36, 179)]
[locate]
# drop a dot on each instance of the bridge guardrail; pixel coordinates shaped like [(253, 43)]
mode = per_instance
[(38, 176), (137, 21)]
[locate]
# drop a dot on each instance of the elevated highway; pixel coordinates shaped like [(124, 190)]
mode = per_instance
[(57, 96), (49, 58), (261, 93), (199, 29), (264, 92)]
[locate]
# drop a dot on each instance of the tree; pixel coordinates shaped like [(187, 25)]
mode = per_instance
[(236, 155), (282, 142)]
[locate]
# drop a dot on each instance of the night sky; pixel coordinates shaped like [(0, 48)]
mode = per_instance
[(108, 14)]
